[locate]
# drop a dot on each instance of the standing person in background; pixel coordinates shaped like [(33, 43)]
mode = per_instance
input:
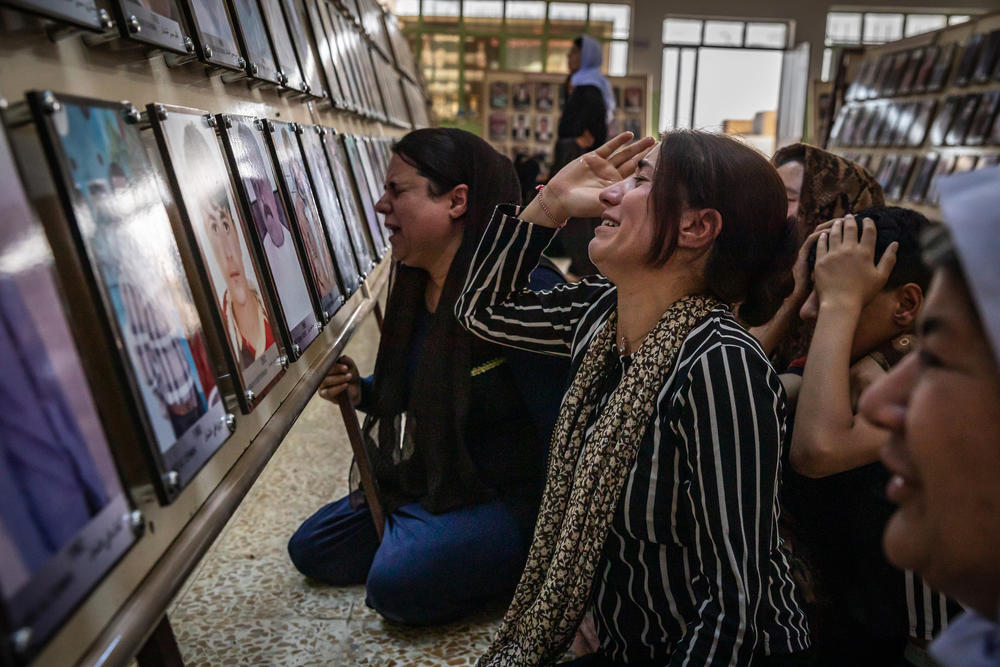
[(583, 126)]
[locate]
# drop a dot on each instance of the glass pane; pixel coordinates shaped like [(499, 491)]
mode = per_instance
[(615, 17), (685, 91), (555, 59), (774, 35), (681, 31), (618, 63), (567, 17), (918, 23), (724, 33), (483, 15), (440, 7), (525, 17), (881, 28), (482, 53), (668, 88), (827, 73), (843, 28), (524, 54), (958, 18), (407, 7)]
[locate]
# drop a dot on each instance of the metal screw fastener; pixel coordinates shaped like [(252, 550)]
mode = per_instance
[(49, 102), (135, 521), (208, 51), (228, 121), (250, 396), (188, 44), (326, 316), (130, 113), (230, 421), (241, 62), (210, 120), (21, 640), (253, 69), (133, 24), (361, 281), (296, 349), (161, 111), (283, 361), (259, 124), (308, 88), (105, 20), (173, 480), (283, 78)]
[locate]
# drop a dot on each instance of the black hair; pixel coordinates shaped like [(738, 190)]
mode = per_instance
[(901, 225), (578, 42)]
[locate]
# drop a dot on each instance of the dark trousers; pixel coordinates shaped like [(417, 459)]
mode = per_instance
[(429, 568)]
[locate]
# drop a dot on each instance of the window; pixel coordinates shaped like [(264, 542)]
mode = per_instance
[(456, 41)]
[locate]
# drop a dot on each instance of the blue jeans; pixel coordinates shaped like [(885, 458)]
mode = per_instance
[(429, 568)]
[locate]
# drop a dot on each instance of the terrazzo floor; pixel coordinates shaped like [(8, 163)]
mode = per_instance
[(246, 605)]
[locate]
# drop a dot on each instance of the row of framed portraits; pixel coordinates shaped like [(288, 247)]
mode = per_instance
[(929, 68), (545, 96), (541, 127), (958, 120), (913, 177), (210, 263), (313, 49)]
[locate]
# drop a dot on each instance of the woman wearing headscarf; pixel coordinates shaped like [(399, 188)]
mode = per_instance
[(457, 427), (820, 186)]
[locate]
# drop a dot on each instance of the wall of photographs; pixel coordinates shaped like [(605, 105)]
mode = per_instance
[(524, 110), (177, 272), (924, 107)]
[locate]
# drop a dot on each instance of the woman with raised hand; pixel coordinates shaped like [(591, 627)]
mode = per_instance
[(660, 508)]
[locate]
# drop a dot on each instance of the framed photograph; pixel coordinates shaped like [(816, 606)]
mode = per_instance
[(543, 96), (254, 42), (942, 123), (364, 192), (521, 130), (970, 56), (983, 119), (80, 13), (64, 513), (963, 119), (924, 171), (987, 161), (882, 72), (900, 177), (337, 160), (213, 33), (498, 126), (301, 203), (944, 167), (994, 137), (498, 95), (543, 127), (907, 113), (864, 120), (281, 42), (927, 67), (837, 131), (134, 269), (965, 162), (855, 91), (866, 81), (324, 45), (920, 127), (332, 27), (909, 77), (374, 172), (942, 67), (887, 170), (271, 233), (157, 23), (296, 21), (213, 221), (348, 266), (633, 99), (879, 117), (896, 71), (522, 95), (987, 58), (633, 124)]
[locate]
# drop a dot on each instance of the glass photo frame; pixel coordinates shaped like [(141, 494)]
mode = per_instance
[(301, 204), (209, 20), (364, 194), (154, 22), (337, 160), (983, 119), (927, 66), (319, 24), (970, 56), (215, 225), (924, 171), (111, 197), (254, 41), (281, 42), (80, 13), (913, 66), (942, 123), (920, 127), (65, 515), (987, 58), (942, 67), (303, 47), (338, 35), (259, 191), (963, 120)]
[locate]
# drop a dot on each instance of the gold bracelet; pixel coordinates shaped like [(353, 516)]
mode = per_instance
[(545, 209)]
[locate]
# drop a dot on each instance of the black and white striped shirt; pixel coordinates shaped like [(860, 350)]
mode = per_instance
[(693, 571)]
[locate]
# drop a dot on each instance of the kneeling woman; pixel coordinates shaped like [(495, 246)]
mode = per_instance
[(459, 426), (660, 509)]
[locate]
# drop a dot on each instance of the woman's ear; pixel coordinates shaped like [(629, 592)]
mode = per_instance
[(909, 298), (699, 228), (459, 201)]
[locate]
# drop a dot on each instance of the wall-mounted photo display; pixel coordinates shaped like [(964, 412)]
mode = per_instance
[(896, 71), (913, 66), (213, 33), (256, 45), (402, 55), (987, 58), (257, 185), (984, 118), (80, 13), (543, 127), (970, 56), (942, 123), (856, 91), (880, 115), (544, 96), (337, 161), (924, 172), (521, 130), (305, 216), (212, 218), (864, 119), (329, 205), (498, 126), (344, 57), (354, 161), (155, 22), (112, 199), (633, 99), (838, 124), (963, 119), (363, 54), (374, 171), (907, 114), (499, 91), (965, 163), (882, 72), (927, 67), (942, 67), (987, 161), (886, 170), (921, 125), (296, 22), (900, 177), (324, 45), (944, 167), (521, 97), (64, 514), (281, 42)]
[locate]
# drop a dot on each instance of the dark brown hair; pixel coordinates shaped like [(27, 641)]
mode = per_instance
[(696, 170)]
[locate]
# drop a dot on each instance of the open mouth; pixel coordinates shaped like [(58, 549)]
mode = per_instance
[(608, 222)]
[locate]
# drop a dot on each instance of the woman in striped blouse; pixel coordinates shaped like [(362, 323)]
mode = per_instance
[(660, 509)]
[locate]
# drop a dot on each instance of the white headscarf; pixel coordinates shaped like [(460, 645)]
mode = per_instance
[(970, 203), (589, 74)]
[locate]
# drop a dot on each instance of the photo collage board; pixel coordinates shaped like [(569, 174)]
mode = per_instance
[(521, 110), (274, 229), (914, 114)]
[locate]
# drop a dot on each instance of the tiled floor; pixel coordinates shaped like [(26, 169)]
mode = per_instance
[(246, 604)]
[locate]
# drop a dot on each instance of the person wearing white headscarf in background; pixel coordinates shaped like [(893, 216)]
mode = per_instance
[(583, 126), (942, 408)]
